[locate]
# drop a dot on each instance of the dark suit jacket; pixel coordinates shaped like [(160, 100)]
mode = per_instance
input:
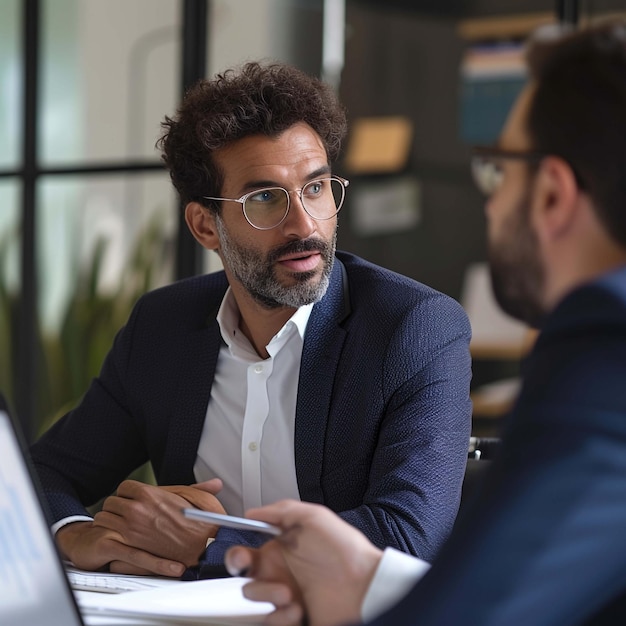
[(544, 542), (382, 416)]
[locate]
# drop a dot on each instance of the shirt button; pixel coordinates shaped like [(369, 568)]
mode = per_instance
[(252, 447), (258, 369)]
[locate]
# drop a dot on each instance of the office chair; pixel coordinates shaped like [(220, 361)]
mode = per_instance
[(480, 454)]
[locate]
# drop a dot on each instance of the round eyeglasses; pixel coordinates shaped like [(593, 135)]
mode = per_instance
[(487, 169), (267, 208), (488, 172)]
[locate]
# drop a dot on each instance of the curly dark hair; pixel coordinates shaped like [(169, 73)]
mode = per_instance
[(254, 100), (578, 112)]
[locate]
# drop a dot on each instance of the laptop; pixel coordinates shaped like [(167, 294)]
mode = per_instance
[(34, 589), (34, 585)]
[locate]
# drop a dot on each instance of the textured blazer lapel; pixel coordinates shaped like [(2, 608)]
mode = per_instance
[(198, 359), (323, 343)]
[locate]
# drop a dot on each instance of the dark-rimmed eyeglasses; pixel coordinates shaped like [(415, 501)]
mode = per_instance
[(267, 208), (487, 169)]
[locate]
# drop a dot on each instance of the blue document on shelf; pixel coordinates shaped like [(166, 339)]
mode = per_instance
[(492, 75)]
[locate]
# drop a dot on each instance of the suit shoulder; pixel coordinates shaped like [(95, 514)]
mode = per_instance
[(191, 296), (599, 305), (376, 286), (578, 360)]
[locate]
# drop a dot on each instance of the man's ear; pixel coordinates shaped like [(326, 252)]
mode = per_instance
[(201, 223), (554, 198)]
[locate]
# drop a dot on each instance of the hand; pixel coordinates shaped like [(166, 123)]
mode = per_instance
[(200, 495), (273, 581), (332, 562), (149, 518), (91, 548)]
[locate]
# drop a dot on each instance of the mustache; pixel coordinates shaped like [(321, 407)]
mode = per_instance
[(301, 245)]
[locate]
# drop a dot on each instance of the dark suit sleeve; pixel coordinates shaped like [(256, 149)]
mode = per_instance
[(416, 470), (543, 542)]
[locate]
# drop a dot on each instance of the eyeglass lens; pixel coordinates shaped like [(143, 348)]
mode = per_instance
[(487, 174), (268, 207)]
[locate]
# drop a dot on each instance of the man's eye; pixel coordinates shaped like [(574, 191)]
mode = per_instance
[(315, 188), (265, 195)]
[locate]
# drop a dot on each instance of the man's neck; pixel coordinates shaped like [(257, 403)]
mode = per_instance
[(259, 324), (584, 265)]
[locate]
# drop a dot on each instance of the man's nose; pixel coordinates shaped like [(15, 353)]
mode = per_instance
[(298, 223)]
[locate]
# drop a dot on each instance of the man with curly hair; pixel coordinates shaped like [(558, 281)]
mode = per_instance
[(297, 372)]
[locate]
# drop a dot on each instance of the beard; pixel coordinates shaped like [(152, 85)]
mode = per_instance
[(517, 275), (256, 271)]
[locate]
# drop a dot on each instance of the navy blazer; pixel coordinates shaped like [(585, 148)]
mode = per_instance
[(544, 542), (382, 417)]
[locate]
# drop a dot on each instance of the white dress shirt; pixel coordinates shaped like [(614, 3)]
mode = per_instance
[(395, 575), (248, 434)]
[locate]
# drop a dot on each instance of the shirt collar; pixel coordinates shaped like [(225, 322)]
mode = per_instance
[(228, 319)]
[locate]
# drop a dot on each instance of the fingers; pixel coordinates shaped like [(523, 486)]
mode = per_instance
[(105, 519), (287, 613), (92, 548), (213, 486), (149, 519), (290, 615), (272, 513), (199, 498), (262, 591), (272, 582), (128, 560), (128, 517), (133, 489), (203, 500), (153, 522), (143, 563), (120, 567), (146, 498), (239, 561)]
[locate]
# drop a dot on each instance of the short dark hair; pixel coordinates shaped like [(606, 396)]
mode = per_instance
[(578, 112), (253, 100)]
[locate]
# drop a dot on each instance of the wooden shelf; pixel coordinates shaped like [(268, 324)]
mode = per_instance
[(493, 400), (503, 351), (489, 410), (521, 25), (509, 27)]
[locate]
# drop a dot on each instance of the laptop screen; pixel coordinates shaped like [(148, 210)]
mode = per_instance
[(33, 587)]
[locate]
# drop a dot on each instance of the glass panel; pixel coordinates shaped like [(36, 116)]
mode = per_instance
[(102, 241), (285, 30), (10, 83), (9, 282), (110, 72)]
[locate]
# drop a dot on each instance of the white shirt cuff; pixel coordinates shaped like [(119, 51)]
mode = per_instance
[(68, 520), (395, 575)]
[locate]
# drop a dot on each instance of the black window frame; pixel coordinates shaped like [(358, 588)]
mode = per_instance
[(193, 53)]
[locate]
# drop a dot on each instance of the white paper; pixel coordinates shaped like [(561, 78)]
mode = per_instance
[(204, 601), (113, 583)]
